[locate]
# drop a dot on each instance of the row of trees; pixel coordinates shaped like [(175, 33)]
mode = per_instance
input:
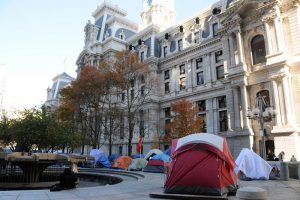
[(33, 129), (101, 105), (104, 101)]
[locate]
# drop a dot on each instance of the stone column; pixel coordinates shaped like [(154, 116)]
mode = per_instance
[(236, 105), (276, 102), (240, 47), (287, 99), (226, 53), (268, 39), (207, 65), (232, 56), (210, 119), (215, 116), (279, 30), (281, 101), (245, 105), (174, 79), (189, 74), (212, 67)]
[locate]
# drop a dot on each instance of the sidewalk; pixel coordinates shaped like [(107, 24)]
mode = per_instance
[(140, 189)]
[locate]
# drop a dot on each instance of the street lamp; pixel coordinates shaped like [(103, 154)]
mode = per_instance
[(262, 113)]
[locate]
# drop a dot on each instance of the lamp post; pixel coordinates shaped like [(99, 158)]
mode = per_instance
[(262, 113)]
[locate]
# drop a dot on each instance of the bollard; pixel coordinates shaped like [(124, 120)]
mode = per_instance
[(284, 171), (251, 193), (299, 171)]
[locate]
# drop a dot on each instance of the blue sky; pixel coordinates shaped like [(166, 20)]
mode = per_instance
[(42, 38)]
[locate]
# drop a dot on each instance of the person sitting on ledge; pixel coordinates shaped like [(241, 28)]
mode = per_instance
[(67, 179)]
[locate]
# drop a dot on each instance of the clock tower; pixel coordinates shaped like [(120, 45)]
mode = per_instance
[(158, 12)]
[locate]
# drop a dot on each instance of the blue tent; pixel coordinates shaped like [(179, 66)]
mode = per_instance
[(137, 156), (162, 156), (113, 157), (101, 159), (168, 151)]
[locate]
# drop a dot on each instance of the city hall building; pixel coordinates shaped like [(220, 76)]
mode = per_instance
[(222, 59)]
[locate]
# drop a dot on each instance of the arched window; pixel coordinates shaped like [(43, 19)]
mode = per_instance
[(258, 49), (266, 98)]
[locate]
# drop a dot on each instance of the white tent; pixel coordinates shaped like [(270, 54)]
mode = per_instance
[(252, 165), (152, 152)]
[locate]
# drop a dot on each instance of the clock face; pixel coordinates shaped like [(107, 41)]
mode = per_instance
[(149, 2)]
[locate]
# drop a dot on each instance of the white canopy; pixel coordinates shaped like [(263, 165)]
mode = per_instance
[(252, 165)]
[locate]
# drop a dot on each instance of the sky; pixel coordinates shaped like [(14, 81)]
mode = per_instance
[(40, 39)]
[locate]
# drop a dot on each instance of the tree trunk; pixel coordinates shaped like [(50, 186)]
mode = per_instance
[(82, 149)]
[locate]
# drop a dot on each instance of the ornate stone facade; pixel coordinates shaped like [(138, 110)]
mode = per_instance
[(221, 59)]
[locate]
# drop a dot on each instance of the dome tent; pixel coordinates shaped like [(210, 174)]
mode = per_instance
[(201, 164), (100, 158)]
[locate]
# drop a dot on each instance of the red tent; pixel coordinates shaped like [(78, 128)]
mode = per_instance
[(201, 164)]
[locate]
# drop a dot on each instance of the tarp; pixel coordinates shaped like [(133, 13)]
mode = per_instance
[(201, 164), (100, 158), (137, 164), (161, 156), (152, 153), (122, 162), (252, 165)]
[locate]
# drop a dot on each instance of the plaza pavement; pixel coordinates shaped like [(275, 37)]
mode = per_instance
[(132, 189)]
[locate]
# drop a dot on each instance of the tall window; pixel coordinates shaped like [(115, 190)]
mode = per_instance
[(196, 37), (182, 83), (223, 120), (142, 90), (222, 102), (200, 78), (165, 51), (219, 56), (266, 97), (215, 29), (142, 56), (142, 123), (121, 127), (180, 45), (182, 69), (220, 72), (120, 150), (167, 74), (199, 63), (132, 94), (142, 79), (258, 49), (201, 105), (167, 88), (167, 112), (123, 97)]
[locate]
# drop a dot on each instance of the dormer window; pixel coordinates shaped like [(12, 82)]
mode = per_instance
[(196, 37), (165, 51), (215, 29), (180, 45), (122, 35), (142, 56)]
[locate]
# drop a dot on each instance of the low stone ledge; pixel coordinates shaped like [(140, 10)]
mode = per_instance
[(251, 193)]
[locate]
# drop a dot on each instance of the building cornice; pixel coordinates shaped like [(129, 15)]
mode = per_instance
[(123, 21), (190, 50), (114, 8)]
